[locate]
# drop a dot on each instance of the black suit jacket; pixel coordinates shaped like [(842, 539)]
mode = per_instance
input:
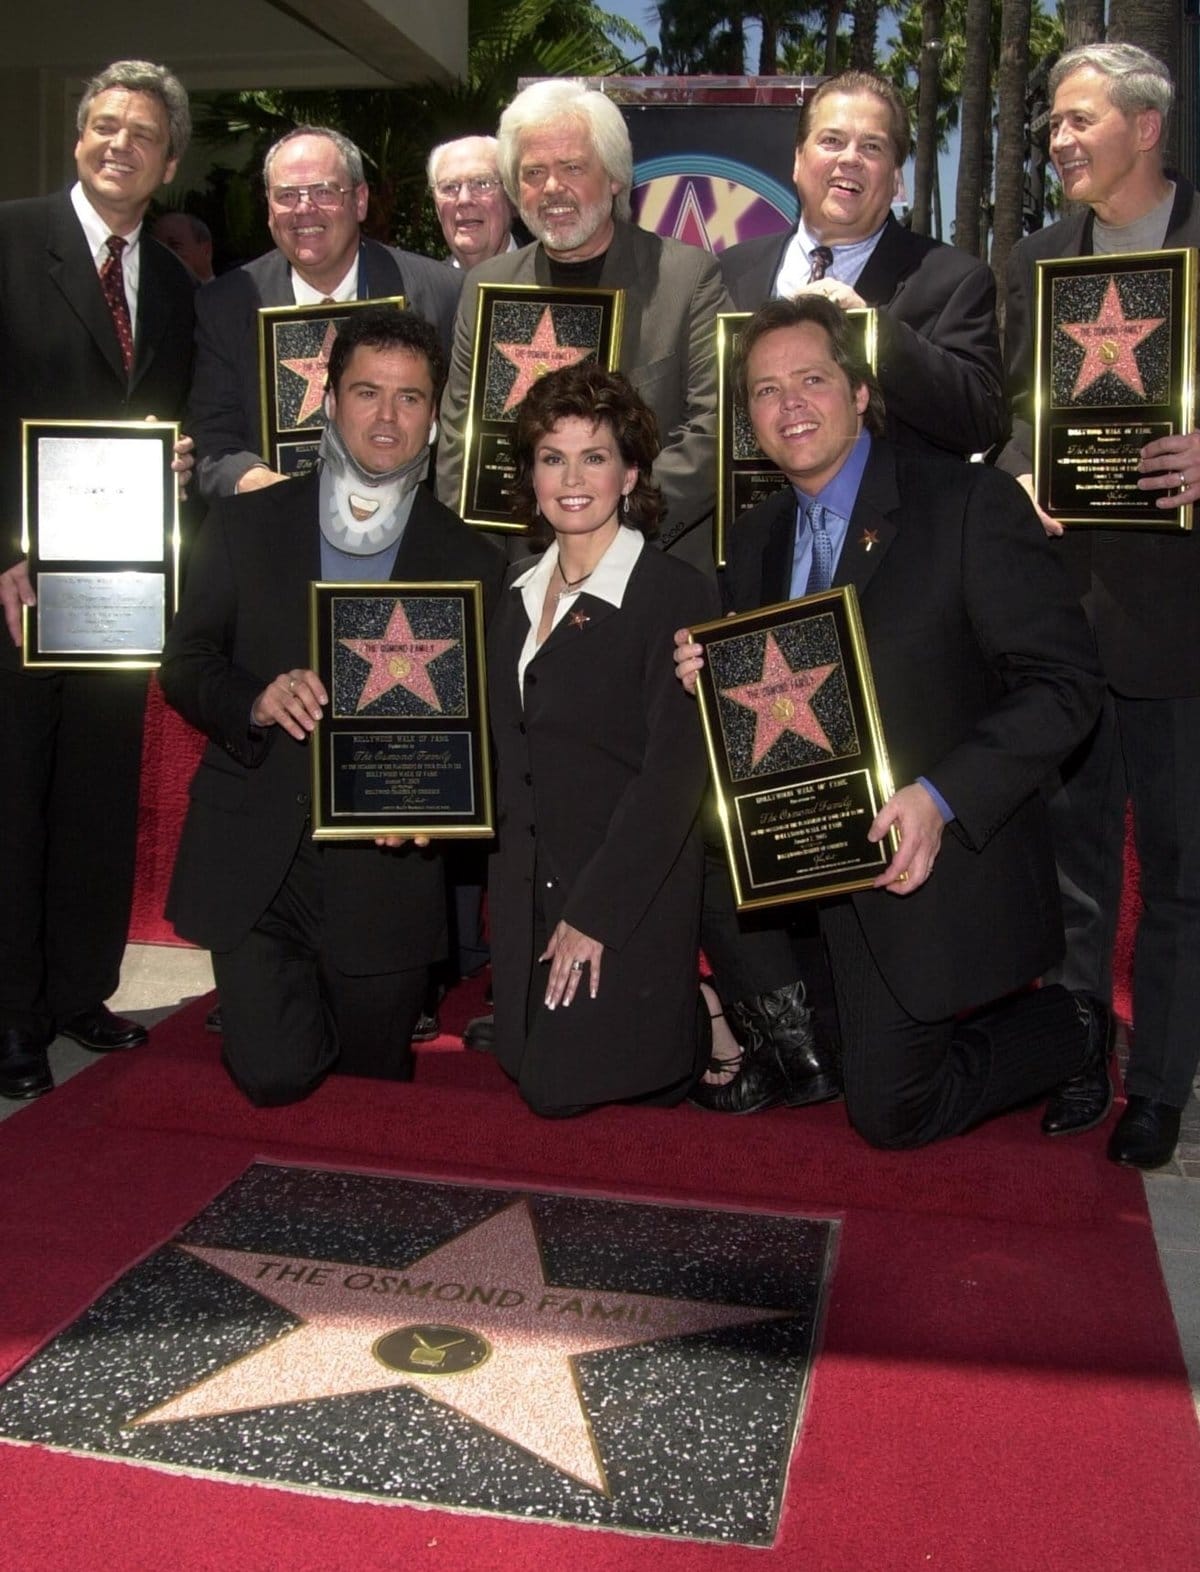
[(224, 414), (986, 677), (1142, 590), (243, 620), (58, 346), (939, 347)]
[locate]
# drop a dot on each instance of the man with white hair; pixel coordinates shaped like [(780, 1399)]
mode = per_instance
[(1109, 105), (472, 204), (567, 164)]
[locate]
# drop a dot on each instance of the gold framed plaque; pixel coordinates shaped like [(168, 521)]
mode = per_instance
[(402, 748), (1114, 368), (100, 527), (522, 331), (745, 475), (796, 749), (294, 343)]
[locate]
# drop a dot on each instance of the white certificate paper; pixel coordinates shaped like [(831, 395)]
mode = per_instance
[(100, 499)]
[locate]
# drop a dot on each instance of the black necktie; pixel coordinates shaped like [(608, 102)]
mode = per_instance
[(820, 259), (112, 282)]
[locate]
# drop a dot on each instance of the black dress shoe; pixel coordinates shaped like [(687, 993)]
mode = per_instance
[(1146, 1134), (782, 1060), (214, 1021), (427, 1028), (24, 1067), (480, 1033), (100, 1031), (1083, 1102)]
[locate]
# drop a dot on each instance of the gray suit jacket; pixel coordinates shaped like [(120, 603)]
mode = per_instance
[(668, 351), (1142, 588), (223, 410)]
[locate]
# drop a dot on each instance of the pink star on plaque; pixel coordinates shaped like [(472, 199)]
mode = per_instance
[(398, 660), (541, 354), (1110, 342), (312, 371), (473, 1325), (781, 700)]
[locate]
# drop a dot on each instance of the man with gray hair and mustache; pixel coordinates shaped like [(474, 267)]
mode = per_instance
[(567, 165)]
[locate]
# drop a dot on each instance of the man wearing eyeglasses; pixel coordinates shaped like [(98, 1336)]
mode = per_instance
[(316, 202), (472, 208)]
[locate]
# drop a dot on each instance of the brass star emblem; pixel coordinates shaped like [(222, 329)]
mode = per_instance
[(868, 538)]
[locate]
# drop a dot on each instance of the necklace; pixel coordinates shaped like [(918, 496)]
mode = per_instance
[(569, 585)]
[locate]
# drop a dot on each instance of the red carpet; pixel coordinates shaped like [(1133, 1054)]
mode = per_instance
[(1000, 1387)]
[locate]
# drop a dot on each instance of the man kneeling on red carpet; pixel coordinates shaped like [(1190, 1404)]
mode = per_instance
[(987, 677)]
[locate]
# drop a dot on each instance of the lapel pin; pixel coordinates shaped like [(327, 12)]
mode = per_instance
[(868, 538), (578, 618)]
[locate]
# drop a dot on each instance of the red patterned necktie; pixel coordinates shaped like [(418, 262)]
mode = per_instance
[(112, 282), (820, 259)]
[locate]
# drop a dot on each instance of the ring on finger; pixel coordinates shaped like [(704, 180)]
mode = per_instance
[(576, 966), (1182, 481), (902, 878), (291, 684)]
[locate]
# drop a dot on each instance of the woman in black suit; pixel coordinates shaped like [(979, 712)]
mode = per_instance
[(595, 882)]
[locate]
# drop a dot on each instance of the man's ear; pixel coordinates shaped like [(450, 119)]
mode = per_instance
[(433, 431)]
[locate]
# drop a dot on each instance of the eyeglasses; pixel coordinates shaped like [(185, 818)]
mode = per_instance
[(477, 186), (328, 198)]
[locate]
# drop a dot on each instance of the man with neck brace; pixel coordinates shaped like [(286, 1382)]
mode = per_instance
[(320, 952)]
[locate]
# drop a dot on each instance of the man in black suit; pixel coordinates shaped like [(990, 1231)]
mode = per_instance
[(316, 202), (95, 324), (986, 678), (939, 349), (320, 952), (1141, 590)]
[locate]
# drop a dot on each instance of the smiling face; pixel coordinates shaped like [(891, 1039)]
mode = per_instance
[(566, 193), (318, 242), (122, 155), (476, 227), (805, 414), (579, 477), (845, 171), (383, 406), (1104, 157)]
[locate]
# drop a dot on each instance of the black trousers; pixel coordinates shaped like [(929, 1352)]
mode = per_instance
[(70, 761), (909, 1082), (1147, 750), (290, 1016)]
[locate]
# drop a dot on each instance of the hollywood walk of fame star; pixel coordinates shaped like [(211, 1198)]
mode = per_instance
[(312, 371), (1109, 342), (480, 1299), (398, 659), (781, 701), (541, 354)]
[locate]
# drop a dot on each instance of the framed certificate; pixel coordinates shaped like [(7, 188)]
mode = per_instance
[(294, 343), (745, 475), (402, 748), (796, 749), (101, 531), (1115, 367), (522, 331)]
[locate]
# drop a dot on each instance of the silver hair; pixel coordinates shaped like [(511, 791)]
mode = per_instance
[(350, 153), (1136, 79), (143, 76), (444, 147), (545, 103)]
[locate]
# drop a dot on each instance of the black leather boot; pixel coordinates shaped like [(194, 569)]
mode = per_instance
[(781, 1060)]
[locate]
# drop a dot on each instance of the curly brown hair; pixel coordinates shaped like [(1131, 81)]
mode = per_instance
[(588, 392)]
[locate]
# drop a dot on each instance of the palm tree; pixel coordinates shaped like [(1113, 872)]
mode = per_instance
[(1011, 79), (970, 230), (1157, 25), (1083, 22), (925, 163), (862, 40)]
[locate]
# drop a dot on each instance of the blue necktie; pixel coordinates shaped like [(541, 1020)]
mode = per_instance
[(820, 574)]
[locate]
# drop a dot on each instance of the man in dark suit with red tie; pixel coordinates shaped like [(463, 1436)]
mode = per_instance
[(95, 324), (986, 678)]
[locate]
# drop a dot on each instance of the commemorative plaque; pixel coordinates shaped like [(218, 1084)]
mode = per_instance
[(796, 749), (101, 531), (402, 748), (1115, 368), (294, 343), (745, 475), (522, 331)]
